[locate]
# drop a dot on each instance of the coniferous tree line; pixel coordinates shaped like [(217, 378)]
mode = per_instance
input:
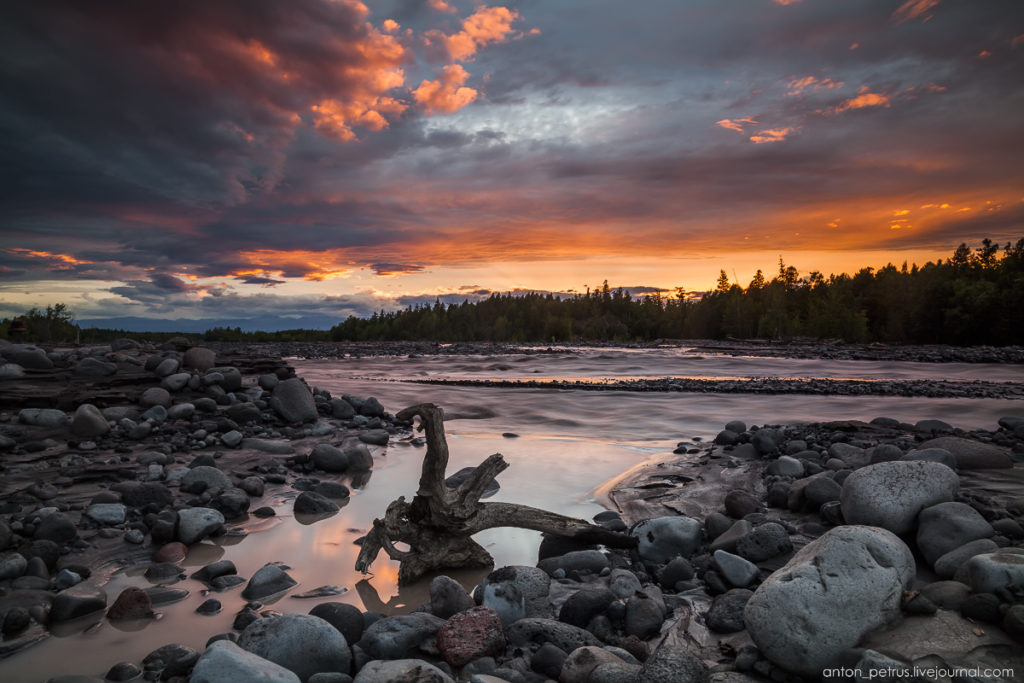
[(973, 297)]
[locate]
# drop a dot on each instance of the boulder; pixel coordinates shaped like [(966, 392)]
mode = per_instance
[(891, 494), (204, 478), (195, 524), (175, 381), (293, 401), (972, 455), (301, 643), (51, 418), (358, 457), (77, 601), (132, 603), (673, 665), (592, 561), (28, 356), (582, 661), (329, 458), (310, 503), (947, 565), (726, 612), (94, 367), (168, 366), (539, 631), (469, 635), (268, 580), (533, 584), (947, 526), (107, 514), (401, 671), (401, 636), (155, 396), (448, 597), (858, 572), (990, 572), (200, 358), (342, 616), (932, 455), (764, 542), (737, 571), (223, 660), (662, 538), (88, 421)]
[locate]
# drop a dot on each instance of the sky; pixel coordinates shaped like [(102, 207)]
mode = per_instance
[(243, 158)]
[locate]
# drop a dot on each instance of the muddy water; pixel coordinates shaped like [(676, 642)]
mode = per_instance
[(566, 444)]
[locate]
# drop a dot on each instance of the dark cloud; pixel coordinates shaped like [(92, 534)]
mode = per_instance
[(261, 142)]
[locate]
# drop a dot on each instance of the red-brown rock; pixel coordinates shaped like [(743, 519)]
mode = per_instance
[(171, 552), (469, 635), (132, 603)]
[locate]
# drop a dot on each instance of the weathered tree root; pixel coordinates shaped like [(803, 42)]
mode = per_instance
[(439, 522)]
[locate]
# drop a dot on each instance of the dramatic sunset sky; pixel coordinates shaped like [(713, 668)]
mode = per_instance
[(234, 158)]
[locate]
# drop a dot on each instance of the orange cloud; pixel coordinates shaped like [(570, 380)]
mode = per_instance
[(914, 9), (735, 124), (485, 26), (446, 94), (309, 265), (390, 26), (863, 100), (59, 261), (785, 2), (799, 85), (771, 135)]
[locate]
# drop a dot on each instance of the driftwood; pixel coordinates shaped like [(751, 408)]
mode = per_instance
[(439, 522)]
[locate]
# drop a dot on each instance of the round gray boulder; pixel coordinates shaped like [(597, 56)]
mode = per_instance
[(204, 478), (195, 524), (857, 572), (223, 660), (301, 643), (891, 494), (972, 455), (990, 572), (268, 580), (947, 526), (200, 358), (89, 421), (155, 396), (401, 671), (662, 538), (293, 401), (51, 418), (329, 458)]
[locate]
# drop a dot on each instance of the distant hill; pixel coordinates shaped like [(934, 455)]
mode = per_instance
[(264, 323)]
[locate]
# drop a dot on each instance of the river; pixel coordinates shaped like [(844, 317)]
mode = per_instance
[(561, 444)]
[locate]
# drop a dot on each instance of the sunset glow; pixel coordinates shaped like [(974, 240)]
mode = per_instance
[(337, 157)]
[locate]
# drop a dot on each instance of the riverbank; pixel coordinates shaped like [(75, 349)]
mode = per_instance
[(59, 480)]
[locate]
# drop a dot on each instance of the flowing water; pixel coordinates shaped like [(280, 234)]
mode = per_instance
[(561, 445)]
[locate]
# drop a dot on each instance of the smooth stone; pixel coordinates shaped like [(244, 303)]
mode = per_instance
[(728, 539), (329, 458), (293, 401), (448, 597), (399, 636), (401, 671), (947, 526), (858, 572), (940, 455), (310, 503), (991, 572), (662, 538), (734, 569), (302, 643), (342, 616), (592, 561), (199, 358), (155, 396), (584, 605), (224, 660), (77, 601), (947, 565), (891, 494), (644, 615), (132, 603), (375, 437), (506, 600), (764, 542), (268, 580), (972, 455), (195, 524), (50, 418), (108, 514), (582, 661), (88, 421), (359, 457), (204, 478)]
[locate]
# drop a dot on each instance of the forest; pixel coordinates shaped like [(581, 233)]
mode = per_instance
[(976, 296), (972, 297)]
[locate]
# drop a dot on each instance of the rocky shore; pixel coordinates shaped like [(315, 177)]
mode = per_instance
[(767, 385), (879, 550)]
